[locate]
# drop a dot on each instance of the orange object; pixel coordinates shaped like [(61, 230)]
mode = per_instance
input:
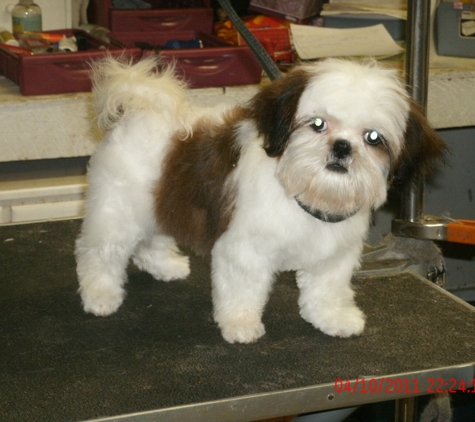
[(52, 37), (17, 50), (229, 33), (272, 32), (461, 231)]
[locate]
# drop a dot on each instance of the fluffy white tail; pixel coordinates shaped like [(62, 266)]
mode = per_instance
[(121, 87)]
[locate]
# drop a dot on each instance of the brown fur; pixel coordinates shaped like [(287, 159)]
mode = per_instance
[(194, 199), (423, 149), (194, 202), (273, 110)]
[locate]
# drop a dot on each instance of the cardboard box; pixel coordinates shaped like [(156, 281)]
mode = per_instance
[(217, 63), (58, 73), (455, 29)]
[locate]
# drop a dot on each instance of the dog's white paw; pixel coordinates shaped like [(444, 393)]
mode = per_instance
[(164, 267), (343, 322), (175, 268), (102, 301), (245, 328)]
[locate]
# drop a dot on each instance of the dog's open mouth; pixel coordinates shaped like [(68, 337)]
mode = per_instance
[(336, 167)]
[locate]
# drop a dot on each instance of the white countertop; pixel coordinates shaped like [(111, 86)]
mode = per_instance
[(38, 127)]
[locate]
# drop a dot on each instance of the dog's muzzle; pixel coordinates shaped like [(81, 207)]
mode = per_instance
[(339, 156)]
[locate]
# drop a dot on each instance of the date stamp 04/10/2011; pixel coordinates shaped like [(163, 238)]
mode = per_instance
[(403, 385)]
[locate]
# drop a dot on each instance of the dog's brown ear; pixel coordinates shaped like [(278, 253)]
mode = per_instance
[(423, 151), (274, 107)]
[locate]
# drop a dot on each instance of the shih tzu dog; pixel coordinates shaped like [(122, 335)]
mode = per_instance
[(287, 181)]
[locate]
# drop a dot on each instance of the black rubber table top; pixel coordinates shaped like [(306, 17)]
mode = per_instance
[(162, 348)]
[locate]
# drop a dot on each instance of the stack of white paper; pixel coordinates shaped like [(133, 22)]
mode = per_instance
[(313, 42)]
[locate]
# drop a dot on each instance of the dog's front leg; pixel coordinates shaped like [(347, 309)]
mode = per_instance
[(241, 285), (327, 299)]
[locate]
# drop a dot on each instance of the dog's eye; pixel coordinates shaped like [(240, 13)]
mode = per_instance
[(319, 125), (372, 137)]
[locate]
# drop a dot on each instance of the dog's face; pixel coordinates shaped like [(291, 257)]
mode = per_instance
[(345, 137)]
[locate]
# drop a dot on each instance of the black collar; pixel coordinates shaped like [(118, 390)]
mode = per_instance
[(327, 218)]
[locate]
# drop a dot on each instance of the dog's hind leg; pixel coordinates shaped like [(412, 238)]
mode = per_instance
[(101, 272), (160, 257), (109, 235)]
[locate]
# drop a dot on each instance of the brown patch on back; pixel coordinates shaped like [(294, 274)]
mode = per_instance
[(194, 201)]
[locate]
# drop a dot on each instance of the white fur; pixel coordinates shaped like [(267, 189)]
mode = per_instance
[(119, 220), (269, 232)]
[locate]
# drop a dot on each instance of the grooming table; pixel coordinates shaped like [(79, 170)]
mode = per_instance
[(161, 356)]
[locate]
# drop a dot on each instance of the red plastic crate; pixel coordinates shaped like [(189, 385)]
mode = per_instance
[(164, 15), (216, 64), (276, 41), (58, 73), (166, 20)]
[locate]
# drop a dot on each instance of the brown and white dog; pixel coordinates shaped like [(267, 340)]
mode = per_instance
[(285, 182)]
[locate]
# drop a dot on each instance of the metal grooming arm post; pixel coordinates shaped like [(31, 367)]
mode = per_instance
[(417, 81), (417, 78), (412, 222)]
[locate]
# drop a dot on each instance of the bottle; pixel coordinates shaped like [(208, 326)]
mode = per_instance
[(26, 16)]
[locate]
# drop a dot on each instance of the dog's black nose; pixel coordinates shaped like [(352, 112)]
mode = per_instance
[(341, 149)]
